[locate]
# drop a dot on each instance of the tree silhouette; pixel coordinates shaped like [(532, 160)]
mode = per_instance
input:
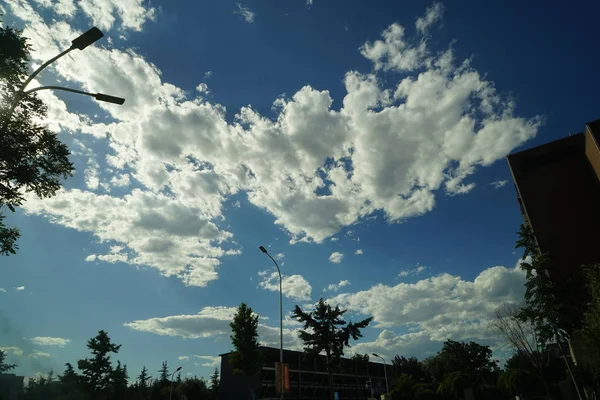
[(4, 367), (32, 159), (326, 331), (214, 383), (246, 357), (360, 357), (97, 371), (163, 373)]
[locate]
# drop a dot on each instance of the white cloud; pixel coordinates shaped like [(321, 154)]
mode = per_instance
[(50, 341), (183, 358), (499, 184), (245, 13), (211, 322), (2, 290), (211, 361), (14, 350), (358, 252), (131, 14), (435, 309), (236, 204), (334, 287), (433, 14), (412, 271), (336, 257), (280, 256), (446, 119), (20, 288), (39, 354), (208, 74), (309, 3), (294, 286)]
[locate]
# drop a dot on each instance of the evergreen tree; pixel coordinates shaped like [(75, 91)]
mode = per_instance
[(32, 159), (164, 374), (246, 357), (4, 367), (118, 382), (214, 383), (325, 331), (97, 370), (360, 357)]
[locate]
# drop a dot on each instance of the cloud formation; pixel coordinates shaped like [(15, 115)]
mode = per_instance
[(336, 257), (245, 13), (294, 286), (334, 287), (388, 148), (50, 341)]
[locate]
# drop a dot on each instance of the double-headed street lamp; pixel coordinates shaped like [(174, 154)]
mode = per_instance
[(78, 43), (173, 374), (280, 320), (387, 389)]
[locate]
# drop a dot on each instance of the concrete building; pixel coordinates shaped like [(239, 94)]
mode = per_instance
[(11, 386), (558, 189), (308, 378)]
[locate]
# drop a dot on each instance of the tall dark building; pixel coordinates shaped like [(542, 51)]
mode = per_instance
[(558, 188), (307, 376)]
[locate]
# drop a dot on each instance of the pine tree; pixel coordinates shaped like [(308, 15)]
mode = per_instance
[(97, 371), (325, 331), (246, 357), (143, 378), (164, 374), (214, 383), (4, 367)]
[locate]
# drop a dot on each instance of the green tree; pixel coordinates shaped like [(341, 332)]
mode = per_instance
[(325, 331), (4, 367), (118, 382), (459, 365), (214, 383), (360, 357), (246, 357), (97, 371), (590, 334), (409, 366), (32, 159), (163, 376)]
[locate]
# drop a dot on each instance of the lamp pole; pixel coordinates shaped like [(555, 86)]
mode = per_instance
[(387, 389), (171, 389), (280, 320), (78, 43)]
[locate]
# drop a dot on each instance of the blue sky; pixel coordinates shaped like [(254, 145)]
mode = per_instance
[(361, 142)]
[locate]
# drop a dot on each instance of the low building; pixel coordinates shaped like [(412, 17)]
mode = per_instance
[(308, 378), (11, 386)]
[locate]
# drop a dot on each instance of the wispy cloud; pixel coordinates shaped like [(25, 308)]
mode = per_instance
[(499, 184), (358, 252), (433, 14), (50, 341), (245, 13), (413, 271)]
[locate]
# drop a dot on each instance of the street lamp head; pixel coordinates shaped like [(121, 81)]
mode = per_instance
[(87, 38), (109, 99), (376, 355), (178, 369), (262, 249)]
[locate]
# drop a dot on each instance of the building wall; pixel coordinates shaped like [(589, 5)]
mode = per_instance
[(592, 145), (560, 194), (308, 377), (11, 386)]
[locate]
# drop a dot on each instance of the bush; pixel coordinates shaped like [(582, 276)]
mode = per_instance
[(427, 394)]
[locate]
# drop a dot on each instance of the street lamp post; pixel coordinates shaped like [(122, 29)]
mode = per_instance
[(387, 389), (78, 43), (171, 389), (280, 320)]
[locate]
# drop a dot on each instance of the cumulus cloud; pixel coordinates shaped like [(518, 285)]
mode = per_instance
[(358, 252), (14, 350), (210, 361), (334, 287), (294, 286), (183, 358), (20, 288), (336, 257), (245, 13), (499, 184), (434, 309), (50, 341), (388, 148)]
